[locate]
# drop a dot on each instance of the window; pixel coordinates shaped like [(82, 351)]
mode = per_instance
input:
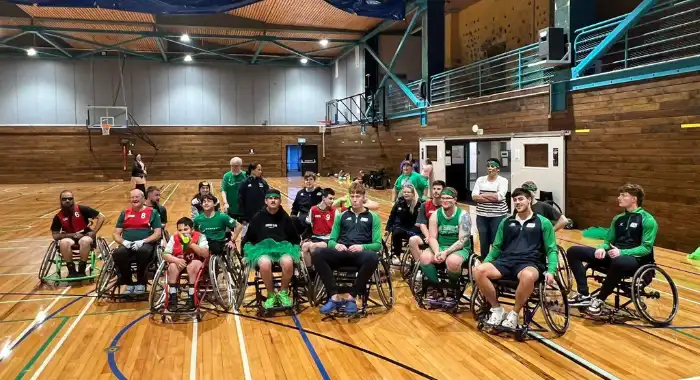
[(431, 152), (536, 155)]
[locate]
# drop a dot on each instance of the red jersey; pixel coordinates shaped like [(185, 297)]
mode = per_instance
[(430, 209), (73, 222), (178, 247), (322, 220), (140, 220)]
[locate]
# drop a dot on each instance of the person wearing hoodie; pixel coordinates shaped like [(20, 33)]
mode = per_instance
[(272, 238), (251, 194), (308, 197)]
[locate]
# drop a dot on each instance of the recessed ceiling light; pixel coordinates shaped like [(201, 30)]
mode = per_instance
[(188, 58), (185, 37), (31, 52), (304, 60), (323, 42)]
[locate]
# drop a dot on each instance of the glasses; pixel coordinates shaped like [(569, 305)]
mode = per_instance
[(66, 199)]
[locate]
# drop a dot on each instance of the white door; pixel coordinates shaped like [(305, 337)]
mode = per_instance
[(541, 160), (435, 151)]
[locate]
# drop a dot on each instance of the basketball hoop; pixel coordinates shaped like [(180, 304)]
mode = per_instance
[(106, 124), (323, 124)]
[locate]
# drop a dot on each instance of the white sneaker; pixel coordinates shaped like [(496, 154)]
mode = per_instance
[(496, 317), (596, 306), (395, 261), (511, 320)]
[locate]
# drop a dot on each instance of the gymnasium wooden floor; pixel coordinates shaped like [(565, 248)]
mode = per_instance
[(81, 339)]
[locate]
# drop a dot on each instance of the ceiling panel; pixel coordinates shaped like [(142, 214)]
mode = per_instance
[(86, 13)]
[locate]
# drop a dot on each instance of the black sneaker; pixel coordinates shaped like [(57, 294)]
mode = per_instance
[(580, 300), (82, 265), (189, 304), (72, 273), (172, 302)]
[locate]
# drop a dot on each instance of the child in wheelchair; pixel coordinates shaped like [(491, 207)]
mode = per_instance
[(186, 250)]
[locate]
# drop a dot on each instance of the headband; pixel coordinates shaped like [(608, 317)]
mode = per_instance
[(272, 193), (494, 163), (529, 186), (448, 192)]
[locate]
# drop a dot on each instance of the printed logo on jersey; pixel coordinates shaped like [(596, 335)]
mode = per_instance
[(328, 216), (530, 225), (271, 225), (260, 185), (632, 225), (143, 215), (364, 219), (448, 230)]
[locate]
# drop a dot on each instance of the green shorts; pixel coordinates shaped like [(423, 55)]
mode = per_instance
[(463, 253)]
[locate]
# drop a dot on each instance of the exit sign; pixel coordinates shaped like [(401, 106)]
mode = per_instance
[(301, 140)]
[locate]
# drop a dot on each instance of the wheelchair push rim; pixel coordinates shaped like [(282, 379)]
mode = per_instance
[(555, 305), (222, 282), (646, 294)]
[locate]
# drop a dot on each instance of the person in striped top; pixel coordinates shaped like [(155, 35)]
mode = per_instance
[(489, 193)]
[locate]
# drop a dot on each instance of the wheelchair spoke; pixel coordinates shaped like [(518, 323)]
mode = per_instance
[(654, 295)]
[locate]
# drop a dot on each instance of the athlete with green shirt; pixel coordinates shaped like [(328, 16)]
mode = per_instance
[(229, 187), (215, 226), (524, 248), (449, 229), (409, 176), (628, 246)]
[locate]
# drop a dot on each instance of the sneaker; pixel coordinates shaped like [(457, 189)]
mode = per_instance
[(72, 273), (510, 321), (331, 306), (580, 300), (450, 299), (596, 306), (172, 302), (81, 268), (189, 304), (351, 307), (436, 295), (129, 290), (497, 315), (284, 299), (271, 300), (395, 261), (140, 289)]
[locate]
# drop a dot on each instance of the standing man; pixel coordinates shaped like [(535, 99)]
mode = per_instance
[(490, 196), (306, 198), (410, 176), (229, 188), (71, 226)]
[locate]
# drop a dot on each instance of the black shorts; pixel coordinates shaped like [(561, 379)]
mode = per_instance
[(217, 247), (510, 269), (314, 239)]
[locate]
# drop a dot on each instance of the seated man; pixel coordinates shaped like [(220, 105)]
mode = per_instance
[(204, 189), (355, 239), (516, 254), (321, 219), (427, 209), (558, 220), (215, 225), (449, 231), (71, 226), (187, 249), (306, 198), (628, 246), (153, 200), (272, 238), (402, 220), (137, 232)]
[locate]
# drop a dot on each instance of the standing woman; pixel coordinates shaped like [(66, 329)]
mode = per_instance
[(251, 194), (490, 196), (414, 164), (427, 171), (138, 174)]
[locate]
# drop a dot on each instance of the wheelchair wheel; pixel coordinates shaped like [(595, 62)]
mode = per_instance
[(317, 294), (479, 306), (107, 280), (48, 261), (156, 299), (649, 285), (554, 305), (102, 249), (564, 271), (242, 286), (222, 282), (382, 278)]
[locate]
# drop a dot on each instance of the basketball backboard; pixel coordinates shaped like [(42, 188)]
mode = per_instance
[(101, 117)]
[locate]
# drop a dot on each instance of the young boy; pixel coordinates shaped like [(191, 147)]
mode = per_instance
[(215, 225), (185, 250)]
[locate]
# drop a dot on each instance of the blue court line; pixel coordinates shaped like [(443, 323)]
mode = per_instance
[(113, 346), (311, 349)]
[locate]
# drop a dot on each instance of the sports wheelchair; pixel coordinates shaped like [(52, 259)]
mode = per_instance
[(638, 290), (53, 259), (345, 278), (108, 285), (551, 299), (214, 283)]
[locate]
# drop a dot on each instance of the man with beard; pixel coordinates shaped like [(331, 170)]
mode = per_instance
[(153, 200), (524, 248), (71, 226)]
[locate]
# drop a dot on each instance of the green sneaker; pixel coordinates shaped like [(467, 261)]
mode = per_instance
[(271, 300), (283, 296)]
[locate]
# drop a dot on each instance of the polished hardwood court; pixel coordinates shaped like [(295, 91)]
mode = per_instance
[(63, 333)]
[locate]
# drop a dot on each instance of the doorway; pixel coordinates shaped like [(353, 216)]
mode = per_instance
[(309, 158), (293, 160)]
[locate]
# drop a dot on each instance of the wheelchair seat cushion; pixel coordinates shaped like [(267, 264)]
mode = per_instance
[(272, 249)]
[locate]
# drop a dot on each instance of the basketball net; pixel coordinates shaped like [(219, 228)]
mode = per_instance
[(106, 124)]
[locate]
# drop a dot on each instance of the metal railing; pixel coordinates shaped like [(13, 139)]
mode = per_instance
[(397, 101), (509, 71), (353, 109), (670, 30)]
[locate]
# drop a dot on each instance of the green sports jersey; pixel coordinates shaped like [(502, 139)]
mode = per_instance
[(214, 228), (417, 180), (448, 228), (230, 185)]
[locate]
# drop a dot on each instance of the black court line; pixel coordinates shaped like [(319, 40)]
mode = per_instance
[(341, 342)]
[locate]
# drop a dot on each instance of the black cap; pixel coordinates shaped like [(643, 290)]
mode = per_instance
[(204, 183)]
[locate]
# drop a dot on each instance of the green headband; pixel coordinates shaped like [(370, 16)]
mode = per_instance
[(448, 192), (494, 163), (272, 195), (530, 187)]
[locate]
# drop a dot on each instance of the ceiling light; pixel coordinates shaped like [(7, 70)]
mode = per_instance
[(323, 42), (304, 60), (188, 58), (31, 52), (185, 38)]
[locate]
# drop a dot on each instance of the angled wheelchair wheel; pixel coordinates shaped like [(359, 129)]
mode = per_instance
[(318, 292), (107, 280), (242, 286), (564, 270), (655, 295), (222, 282), (407, 263), (479, 306), (48, 261), (102, 249), (156, 299), (554, 305), (382, 278)]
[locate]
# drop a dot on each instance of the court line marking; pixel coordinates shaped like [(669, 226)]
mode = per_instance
[(34, 300), (18, 274), (577, 359), (310, 347), (32, 325), (111, 353), (63, 340), (171, 193), (241, 344), (193, 352), (41, 349)]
